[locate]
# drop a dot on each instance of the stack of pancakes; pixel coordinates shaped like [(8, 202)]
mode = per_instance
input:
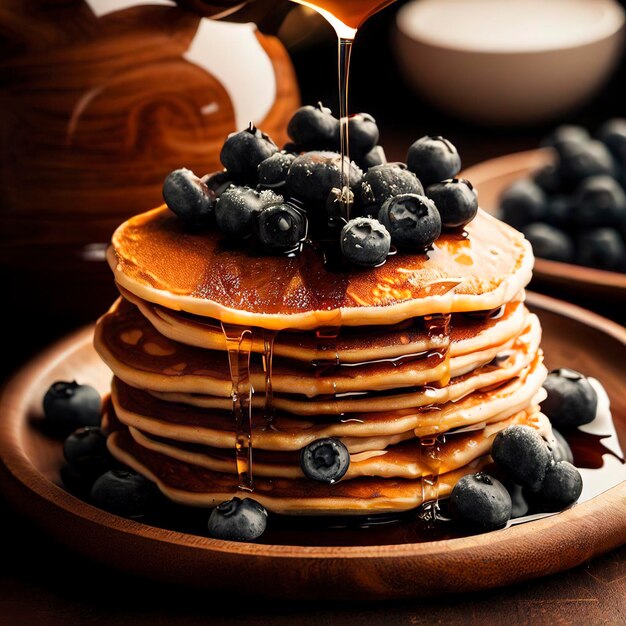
[(227, 363)]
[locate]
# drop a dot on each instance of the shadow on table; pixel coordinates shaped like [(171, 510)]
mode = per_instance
[(43, 583)]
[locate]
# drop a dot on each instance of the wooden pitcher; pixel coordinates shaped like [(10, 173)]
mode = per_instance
[(96, 108)]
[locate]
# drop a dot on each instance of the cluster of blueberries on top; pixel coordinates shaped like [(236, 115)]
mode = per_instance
[(528, 475), (278, 199), (574, 209)]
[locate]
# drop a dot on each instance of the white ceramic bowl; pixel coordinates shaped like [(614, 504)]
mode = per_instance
[(508, 61)]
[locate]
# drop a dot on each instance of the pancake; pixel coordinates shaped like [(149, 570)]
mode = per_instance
[(522, 353), (183, 422), (155, 258), (409, 459), (136, 352), (191, 485), (228, 363), (468, 334)]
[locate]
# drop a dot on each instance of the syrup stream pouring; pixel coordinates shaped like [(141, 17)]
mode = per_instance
[(346, 17)]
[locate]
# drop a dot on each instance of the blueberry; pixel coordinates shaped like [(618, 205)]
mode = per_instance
[(188, 197), (292, 148), (79, 476), (124, 493), (602, 248), (335, 204), (560, 449), (571, 400), (238, 520), (433, 159), (218, 182), (365, 241), (548, 178), (325, 460), (558, 210), (314, 128), (455, 200), (599, 201), (581, 160), (564, 137), (313, 175), (236, 210), (273, 171), (481, 501), (412, 220), (613, 135), (549, 242), (363, 133), (382, 182), (244, 151), (561, 487), (522, 453), (85, 442), (522, 203), (519, 504), (68, 405), (281, 228), (376, 156)]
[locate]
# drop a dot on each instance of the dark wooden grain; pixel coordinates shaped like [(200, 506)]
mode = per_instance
[(30, 463)]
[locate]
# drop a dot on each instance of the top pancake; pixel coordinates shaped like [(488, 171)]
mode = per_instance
[(153, 257)]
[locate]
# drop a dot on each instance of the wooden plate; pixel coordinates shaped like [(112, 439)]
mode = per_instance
[(492, 177), (30, 466)]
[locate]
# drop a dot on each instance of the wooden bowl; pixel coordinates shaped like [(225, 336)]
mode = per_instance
[(29, 476), (492, 177)]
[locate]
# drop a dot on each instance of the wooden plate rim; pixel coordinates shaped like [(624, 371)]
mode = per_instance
[(19, 468)]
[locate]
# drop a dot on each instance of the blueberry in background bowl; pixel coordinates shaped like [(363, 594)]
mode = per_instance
[(602, 248), (549, 242), (573, 209), (524, 202)]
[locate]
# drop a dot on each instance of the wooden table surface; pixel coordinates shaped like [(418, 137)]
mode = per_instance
[(35, 590)]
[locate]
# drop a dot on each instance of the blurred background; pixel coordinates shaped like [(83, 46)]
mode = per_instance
[(102, 98)]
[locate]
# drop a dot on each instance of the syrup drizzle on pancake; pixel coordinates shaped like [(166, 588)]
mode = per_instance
[(326, 339), (438, 328), (238, 341), (430, 454), (269, 337)]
